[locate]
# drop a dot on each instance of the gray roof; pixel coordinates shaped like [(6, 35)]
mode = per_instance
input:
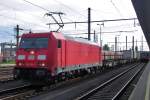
[(81, 40)]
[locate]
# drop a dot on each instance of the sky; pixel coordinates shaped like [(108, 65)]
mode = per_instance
[(30, 15)]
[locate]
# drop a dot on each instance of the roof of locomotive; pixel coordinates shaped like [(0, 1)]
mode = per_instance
[(81, 40), (59, 36), (30, 35)]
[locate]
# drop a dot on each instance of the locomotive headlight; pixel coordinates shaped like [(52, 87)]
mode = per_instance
[(20, 64), (43, 64), (41, 57), (32, 52)]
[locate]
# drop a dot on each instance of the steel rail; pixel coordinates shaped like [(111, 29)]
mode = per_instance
[(123, 88), (14, 89), (91, 92), (18, 96)]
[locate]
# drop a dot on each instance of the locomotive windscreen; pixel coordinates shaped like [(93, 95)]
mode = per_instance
[(34, 43)]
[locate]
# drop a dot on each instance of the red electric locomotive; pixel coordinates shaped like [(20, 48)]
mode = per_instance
[(48, 56)]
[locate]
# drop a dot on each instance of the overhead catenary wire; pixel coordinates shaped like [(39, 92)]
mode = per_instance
[(16, 19), (40, 7), (36, 5), (15, 9), (46, 10), (49, 11), (127, 42), (105, 32), (101, 11), (40, 10), (96, 21), (43, 9), (116, 8), (69, 7), (121, 25)]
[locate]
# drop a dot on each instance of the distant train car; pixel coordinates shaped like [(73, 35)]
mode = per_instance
[(128, 54), (111, 58), (145, 56), (51, 56)]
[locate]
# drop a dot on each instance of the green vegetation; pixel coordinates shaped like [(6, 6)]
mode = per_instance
[(8, 62), (106, 47)]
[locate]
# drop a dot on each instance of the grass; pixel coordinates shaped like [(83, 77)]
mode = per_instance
[(8, 62)]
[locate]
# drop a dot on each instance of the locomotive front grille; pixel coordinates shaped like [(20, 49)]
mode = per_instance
[(28, 73)]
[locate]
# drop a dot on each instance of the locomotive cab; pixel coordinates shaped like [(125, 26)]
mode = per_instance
[(31, 56)]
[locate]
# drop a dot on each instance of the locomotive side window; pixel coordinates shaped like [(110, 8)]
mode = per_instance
[(59, 44), (34, 43)]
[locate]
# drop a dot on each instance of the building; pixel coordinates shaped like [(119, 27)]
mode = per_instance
[(8, 51)]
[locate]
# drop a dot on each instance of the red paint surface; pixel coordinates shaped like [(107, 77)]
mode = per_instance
[(71, 52)]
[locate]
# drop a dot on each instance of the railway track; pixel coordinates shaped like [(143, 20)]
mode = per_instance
[(26, 91), (10, 91), (6, 71), (17, 93), (111, 89), (23, 92), (72, 91), (6, 74)]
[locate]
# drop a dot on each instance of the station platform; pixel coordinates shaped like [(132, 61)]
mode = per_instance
[(142, 89)]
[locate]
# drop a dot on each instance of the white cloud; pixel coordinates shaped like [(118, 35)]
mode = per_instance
[(14, 12)]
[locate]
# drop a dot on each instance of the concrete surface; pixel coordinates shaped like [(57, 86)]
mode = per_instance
[(142, 89)]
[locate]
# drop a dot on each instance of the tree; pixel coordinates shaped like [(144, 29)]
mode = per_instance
[(136, 48), (106, 47)]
